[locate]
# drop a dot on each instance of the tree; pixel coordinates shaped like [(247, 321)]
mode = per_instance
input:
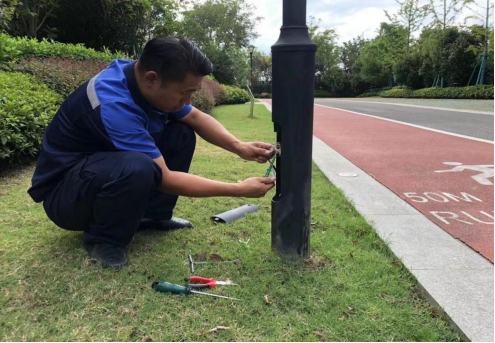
[(222, 29), (262, 66), (30, 17), (123, 25), (378, 58), (161, 19), (406, 71), (445, 13), (7, 10), (410, 15), (327, 53), (220, 23), (349, 57), (446, 53)]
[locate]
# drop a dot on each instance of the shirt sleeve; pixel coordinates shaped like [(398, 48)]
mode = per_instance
[(126, 126), (182, 112)]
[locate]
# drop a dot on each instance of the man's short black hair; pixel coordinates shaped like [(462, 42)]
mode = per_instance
[(172, 58)]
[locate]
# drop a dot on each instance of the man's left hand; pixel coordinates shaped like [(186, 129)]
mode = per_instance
[(256, 151)]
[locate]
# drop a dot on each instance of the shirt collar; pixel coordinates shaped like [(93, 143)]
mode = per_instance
[(136, 93)]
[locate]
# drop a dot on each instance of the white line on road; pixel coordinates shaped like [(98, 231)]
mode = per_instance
[(408, 105), (413, 125)]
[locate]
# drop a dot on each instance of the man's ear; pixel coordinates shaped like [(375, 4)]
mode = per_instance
[(151, 79)]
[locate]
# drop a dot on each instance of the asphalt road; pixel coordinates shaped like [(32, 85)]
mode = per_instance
[(470, 124)]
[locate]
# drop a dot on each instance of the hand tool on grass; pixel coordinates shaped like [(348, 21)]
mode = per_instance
[(206, 283), (192, 263), (178, 289)]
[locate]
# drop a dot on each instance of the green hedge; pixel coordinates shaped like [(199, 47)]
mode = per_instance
[(60, 75), (12, 49), (471, 92), (369, 94), (26, 109), (322, 94), (397, 92), (236, 95), (203, 100)]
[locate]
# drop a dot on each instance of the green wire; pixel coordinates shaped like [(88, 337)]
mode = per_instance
[(269, 170)]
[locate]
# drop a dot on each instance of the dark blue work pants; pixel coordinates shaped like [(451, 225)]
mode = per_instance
[(108, 193)]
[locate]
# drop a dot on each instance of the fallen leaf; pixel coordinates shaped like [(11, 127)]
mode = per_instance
[(200, 257), (148, 339), (354, 242), (216, 257), (351, 309), (201, 333), (342, 318), (320, 335), (219, 328), (133, 313), (146, 247), (265, 298)]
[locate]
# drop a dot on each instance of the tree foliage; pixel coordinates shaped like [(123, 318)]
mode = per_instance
[(223, 30), (411, 15), (123, 25)]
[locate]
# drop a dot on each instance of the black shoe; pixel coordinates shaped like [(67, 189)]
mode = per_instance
[(164, 225), (111, 256)]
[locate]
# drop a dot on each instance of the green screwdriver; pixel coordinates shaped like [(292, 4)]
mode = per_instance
[(178, 289)]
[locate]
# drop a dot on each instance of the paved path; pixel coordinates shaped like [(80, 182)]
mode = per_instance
[(462, 122), (466, 104)]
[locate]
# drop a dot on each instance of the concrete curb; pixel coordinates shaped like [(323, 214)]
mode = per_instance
[(454, 278)]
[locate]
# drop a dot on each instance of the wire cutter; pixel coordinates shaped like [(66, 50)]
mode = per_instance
[(206, 283)]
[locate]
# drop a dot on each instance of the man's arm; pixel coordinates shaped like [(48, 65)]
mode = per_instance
[(179, 183), (213, 132)]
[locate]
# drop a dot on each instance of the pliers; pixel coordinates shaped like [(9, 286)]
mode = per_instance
[(206, 283)]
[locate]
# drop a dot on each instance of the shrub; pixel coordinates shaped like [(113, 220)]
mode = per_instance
[(369, 94), (60, 75), (203, 100), (471, 92), (26, 108), (219, 94), (397, 92), (12, 49), (322, 94), (236, 95)]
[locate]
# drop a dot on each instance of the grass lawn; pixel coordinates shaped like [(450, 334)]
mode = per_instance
[(352, 289)]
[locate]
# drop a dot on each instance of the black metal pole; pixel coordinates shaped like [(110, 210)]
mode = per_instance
[(293, 74)]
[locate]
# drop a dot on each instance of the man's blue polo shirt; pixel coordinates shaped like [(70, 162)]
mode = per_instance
[(107, 113)]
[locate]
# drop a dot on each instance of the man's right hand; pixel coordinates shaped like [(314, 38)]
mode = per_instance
[(255, 187)]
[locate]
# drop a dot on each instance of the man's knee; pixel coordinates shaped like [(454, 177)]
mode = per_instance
[(139, 168)]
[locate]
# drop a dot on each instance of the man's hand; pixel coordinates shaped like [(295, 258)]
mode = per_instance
[(255, 151), (255, 187)]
